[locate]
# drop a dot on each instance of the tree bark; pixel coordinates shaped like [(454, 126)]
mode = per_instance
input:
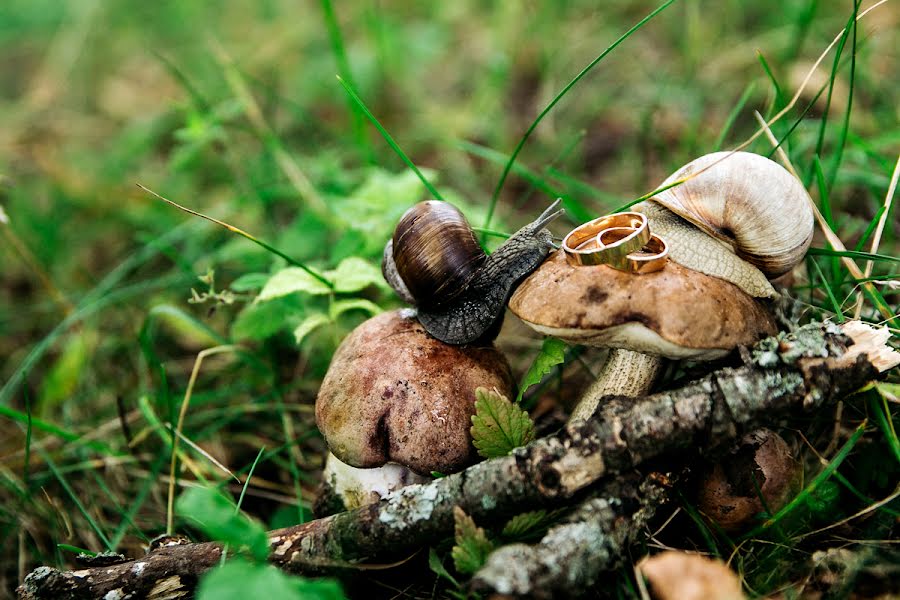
[(814, 367)]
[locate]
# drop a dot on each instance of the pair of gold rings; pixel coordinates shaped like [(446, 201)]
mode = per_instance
[(622, 241)]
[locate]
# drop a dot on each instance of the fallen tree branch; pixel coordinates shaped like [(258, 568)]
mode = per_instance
[(812, 368), (571, 557)]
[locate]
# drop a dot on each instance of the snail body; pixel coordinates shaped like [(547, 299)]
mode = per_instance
[(434, 262), (748, 202)]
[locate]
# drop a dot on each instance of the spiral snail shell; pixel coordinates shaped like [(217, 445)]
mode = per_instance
[(747, 201), (434, 261)]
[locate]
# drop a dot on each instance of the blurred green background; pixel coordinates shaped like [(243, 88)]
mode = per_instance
[(233, 109)]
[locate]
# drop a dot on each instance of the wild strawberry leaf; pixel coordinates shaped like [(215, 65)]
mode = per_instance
[(553, 352), (498, 425), (472, 546)]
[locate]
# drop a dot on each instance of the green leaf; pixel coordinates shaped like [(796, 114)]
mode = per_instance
[(239, 579), (437, 567), (354, 274), (339, 307), (498, 425), (260, 321), (310, 324), (62, 380), (290, 280), (553, 352), (219, 518), (472, 546), (249, 282), (528, 526)]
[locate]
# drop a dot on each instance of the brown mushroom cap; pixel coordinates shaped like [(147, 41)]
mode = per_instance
[(760, 465), (675, 312), (394, 393)]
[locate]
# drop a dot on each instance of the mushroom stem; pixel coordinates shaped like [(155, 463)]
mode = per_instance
[(625, 373)]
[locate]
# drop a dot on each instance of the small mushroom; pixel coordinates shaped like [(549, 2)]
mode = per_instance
[(759, 474), (393, 393), (675, 312)]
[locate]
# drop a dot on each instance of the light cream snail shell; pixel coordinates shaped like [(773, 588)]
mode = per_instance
[(747, 201)]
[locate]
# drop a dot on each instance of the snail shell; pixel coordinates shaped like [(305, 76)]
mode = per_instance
[(434, 261), (748, 202), (436, 252)]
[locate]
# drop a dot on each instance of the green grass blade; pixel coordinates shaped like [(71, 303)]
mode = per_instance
[(878, 407), (838, 152), (734, 114), (26, 419), (800, 498), (28, 431), (65, 485), (343, 65), (139, 499), (836, 306), (778, 103), (854, 254), (512, 159), (574, 209), (388, 138), (249, 477), (870, 229), (702, 526), (820, 142), (243, 234)]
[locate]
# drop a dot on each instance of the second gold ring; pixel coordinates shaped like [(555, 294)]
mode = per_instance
[(579, 252)]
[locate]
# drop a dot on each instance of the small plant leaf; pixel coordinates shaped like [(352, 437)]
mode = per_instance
[(249, 282), (437, 567), (498, 425), (354, 274), (218, 517), (528, 526), (310, 324), (339, 307), (290, 280), (472, 546), (553, 352), (239, 579)]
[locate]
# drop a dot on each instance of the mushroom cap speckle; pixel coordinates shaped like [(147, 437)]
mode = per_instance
[(675, 312), (394, 393)]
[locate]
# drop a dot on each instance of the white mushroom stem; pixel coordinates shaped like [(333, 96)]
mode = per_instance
[(625, 373), (358, 487)]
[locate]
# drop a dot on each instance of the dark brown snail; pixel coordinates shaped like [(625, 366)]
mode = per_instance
[(435, 262)]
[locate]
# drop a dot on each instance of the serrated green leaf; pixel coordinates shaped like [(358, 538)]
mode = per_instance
[(553, 352), (354, 274), (498, 425), (239, 579), (472, 546), (249, 282), (528, 526), (219, 518), (291, 280), (339, 307), (310, 324)]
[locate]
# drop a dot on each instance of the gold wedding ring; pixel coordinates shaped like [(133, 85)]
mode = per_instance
[(580, 251), (651, 257)]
